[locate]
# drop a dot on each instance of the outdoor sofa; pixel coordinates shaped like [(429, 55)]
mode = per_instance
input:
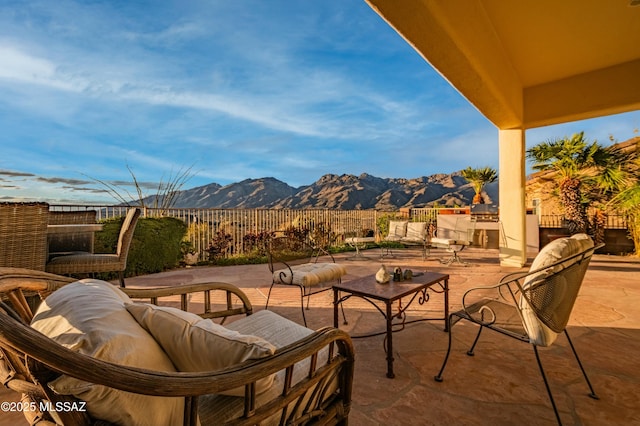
[(93, 354)]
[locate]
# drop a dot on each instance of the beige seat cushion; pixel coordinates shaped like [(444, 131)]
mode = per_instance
[(539, 334), (309, 274), (89, 317), (279, 331), (446, 242), (272, 327), (195, 344), (359, 240)]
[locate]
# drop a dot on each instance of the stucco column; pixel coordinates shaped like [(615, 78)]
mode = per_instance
[(513, 243)]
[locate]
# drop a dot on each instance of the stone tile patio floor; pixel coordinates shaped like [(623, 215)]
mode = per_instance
[(501, 384)]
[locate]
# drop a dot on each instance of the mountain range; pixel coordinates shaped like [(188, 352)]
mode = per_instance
[(345, 192), (349, 192)]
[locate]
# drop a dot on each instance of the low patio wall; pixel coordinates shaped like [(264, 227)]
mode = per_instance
[(616, 241)]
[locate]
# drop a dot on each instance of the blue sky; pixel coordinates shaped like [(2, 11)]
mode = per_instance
[(291, 89)]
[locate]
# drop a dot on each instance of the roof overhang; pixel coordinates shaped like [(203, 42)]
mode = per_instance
[(528, 63)]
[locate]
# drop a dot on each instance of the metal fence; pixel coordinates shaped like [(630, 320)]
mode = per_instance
[(613, 221), (204, 224)]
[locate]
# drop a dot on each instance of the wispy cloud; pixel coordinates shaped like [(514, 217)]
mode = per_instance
[(244, 89), (11, 173), (56, 180), (317, 105)]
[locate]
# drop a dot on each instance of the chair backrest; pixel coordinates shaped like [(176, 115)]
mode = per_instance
[(550, 290), (416, 230), (456, 227), (291, 251), (71, 217), (126, 233), (23, 235), (76, 241)]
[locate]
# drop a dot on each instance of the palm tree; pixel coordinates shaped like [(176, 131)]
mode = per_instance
[(628, 201), (478, 178), (585, 173)]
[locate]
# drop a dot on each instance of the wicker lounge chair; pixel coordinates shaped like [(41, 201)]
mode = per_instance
[(82, 377), (23, 235), (87, 263), (533, 307)]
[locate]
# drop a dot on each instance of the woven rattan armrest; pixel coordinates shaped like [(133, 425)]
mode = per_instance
[(17, 282), (187, 291)]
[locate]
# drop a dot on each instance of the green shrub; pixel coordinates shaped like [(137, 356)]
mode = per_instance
[(156, 245), (239, 260)]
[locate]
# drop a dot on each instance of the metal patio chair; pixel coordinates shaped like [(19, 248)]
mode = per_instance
[(293, 262), (455, 240), (533, 307)]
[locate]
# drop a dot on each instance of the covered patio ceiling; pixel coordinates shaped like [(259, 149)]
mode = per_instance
[(529, 63), (525, 64)]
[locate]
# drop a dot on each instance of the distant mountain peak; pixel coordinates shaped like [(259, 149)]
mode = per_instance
[(334, 191)]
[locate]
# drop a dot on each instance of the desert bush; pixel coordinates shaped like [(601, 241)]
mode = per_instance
[(256, 244), (219, 245)]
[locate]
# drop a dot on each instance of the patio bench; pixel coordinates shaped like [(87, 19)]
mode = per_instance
[(95, 347), (410, 234)]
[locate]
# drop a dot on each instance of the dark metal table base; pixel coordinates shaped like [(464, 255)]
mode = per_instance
[(367, 289)]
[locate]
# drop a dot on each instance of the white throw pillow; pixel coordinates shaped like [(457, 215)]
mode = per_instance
[(397, 230), (89, 317), (195, 344)]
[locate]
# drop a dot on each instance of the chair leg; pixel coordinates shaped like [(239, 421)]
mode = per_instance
[(425, 252), (308, 294), (458, 259), (454, 258), (472, 348), (268, 296), (546, 384), (438, 377), (584, 373), (121, 275), (302, 294)]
